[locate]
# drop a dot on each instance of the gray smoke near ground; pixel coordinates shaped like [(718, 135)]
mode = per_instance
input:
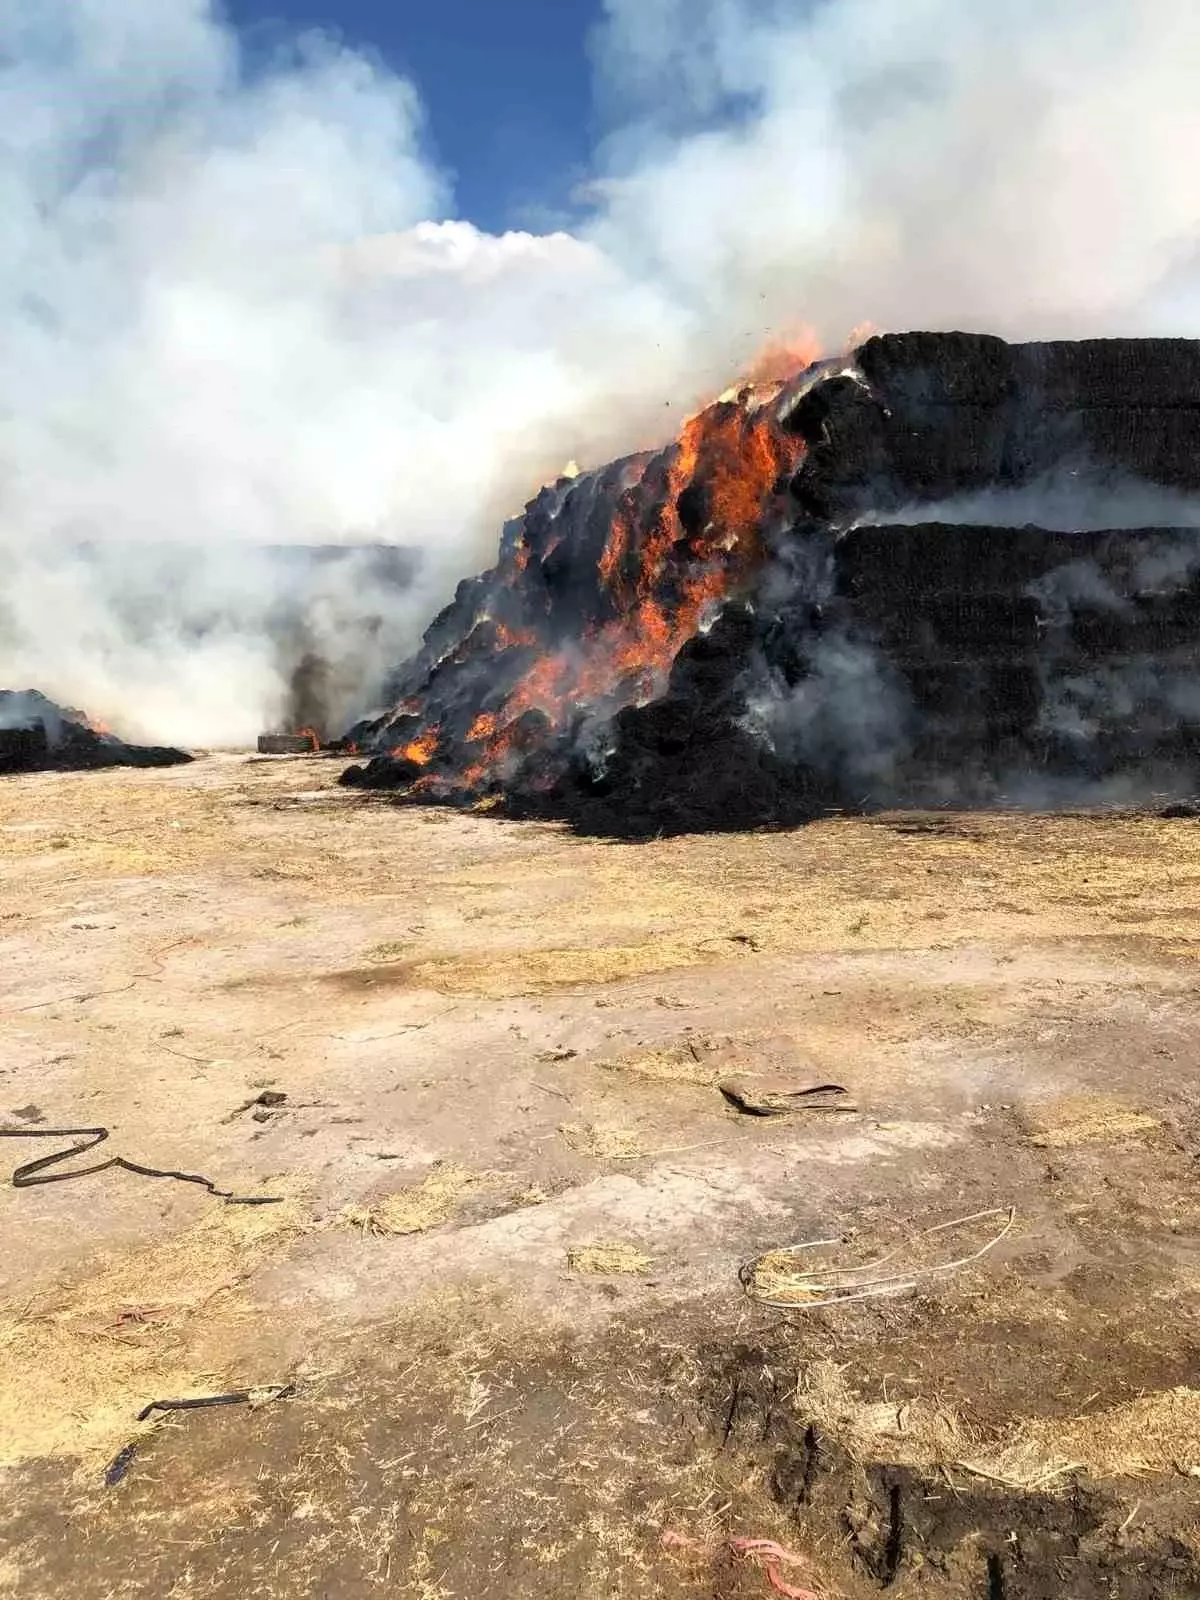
[(845, 720), (23, 708), (210, 642), (237, 309), (825, 696)]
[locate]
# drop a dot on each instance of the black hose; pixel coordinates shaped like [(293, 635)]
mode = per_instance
[(35, 1172)]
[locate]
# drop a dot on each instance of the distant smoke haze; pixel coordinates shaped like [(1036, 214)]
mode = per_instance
[(237, 310)]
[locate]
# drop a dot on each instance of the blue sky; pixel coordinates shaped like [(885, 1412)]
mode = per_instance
[(506, 86)]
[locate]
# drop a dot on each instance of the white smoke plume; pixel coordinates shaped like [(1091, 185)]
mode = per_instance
[(1017, 167), (237, 310)]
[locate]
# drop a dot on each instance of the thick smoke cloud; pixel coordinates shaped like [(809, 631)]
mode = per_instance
[(236, 311), (1013, 166), (226, 324)]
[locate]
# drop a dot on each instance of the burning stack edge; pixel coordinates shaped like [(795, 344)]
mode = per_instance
[(825, 597)]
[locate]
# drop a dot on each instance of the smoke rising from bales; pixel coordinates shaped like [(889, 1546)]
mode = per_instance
[(237, 310)]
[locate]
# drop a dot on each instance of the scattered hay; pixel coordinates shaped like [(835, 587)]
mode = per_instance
[(927, 1435), (673, 1064), (1156, 1433), (767, 1061), (78, 1362), (603, 1143), (532, 972), (419, 1207), (773, 1280), (1085, 1119), (1023, 1465), (608, 1260), (390, 950), (698, 1060), (911, 1432)]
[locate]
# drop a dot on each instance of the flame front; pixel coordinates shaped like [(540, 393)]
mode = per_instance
[(420, 751), (684, 531), (737, 458)]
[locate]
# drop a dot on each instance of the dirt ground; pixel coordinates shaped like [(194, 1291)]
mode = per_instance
[(509, 1278)]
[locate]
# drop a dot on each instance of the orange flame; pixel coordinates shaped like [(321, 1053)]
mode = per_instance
[(507, 638), (736, 457), (782, 357), (860, 334), (421, 750), (684, 534), (313, 737)]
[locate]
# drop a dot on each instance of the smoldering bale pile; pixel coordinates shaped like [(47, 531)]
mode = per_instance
[(36, 735), (980, 585)]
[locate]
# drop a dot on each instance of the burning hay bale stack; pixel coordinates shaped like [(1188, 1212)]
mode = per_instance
[(946, 569), (36, 735)]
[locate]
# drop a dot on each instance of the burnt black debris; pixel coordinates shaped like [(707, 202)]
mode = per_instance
[(36, 735), (980, 585)]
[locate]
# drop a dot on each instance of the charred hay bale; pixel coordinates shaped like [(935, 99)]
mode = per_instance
[(23, 749), (922, 370), (382, 772), (910, 560), (1159, 444), (720, 782), (929, 559), (118, 754), (952, 627), (934, 452), (284, 744), (945, 414), (999, 699), (685, 763), (1158, 626), (951, 369), (1098, 373), (866, 455)]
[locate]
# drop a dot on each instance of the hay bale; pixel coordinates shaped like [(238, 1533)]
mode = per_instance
[(285, 744)]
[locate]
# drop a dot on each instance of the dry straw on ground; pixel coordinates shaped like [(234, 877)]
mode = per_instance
[(696, 1061), (787, 1278), (608, 1260), (78, 1362), (1085, 1119), (1156, 1433), (419, 1207), (602, 1142)]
